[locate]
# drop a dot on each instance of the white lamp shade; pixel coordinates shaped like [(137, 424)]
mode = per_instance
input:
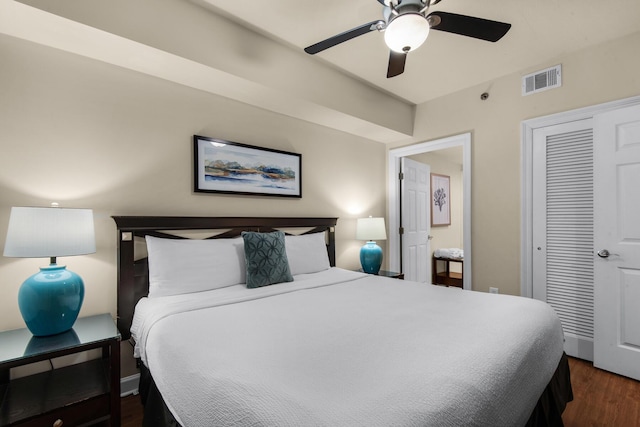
[(49, 232), (370, 229), (406, 32)]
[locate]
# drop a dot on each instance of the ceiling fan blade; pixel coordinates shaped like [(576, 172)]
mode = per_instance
[(469, 26), (396, 63), (342, 37)]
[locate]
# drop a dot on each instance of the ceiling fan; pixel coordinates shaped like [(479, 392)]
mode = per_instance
[(406, 26)]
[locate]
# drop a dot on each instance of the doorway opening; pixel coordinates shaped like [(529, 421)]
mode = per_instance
[(394, 214)]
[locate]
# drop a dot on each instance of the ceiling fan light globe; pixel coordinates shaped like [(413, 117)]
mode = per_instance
[(406, 32)]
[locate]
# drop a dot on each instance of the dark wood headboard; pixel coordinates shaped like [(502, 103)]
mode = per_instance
[(133, 280)]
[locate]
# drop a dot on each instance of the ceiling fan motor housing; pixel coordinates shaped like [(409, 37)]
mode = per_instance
[(393, 10), (396, 2)]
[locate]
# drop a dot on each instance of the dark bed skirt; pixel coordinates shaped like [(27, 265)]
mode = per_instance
[(548, 410), (156, 413)]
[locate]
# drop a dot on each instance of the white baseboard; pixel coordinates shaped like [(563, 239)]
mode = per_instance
[(129, 385)]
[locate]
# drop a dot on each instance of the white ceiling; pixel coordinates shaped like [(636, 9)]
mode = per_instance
[(541, 31)]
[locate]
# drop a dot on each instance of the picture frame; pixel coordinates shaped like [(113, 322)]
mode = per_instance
[(440, 200), (228, 167)]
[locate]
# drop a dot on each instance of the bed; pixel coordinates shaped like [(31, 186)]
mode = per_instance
[(325, 346)]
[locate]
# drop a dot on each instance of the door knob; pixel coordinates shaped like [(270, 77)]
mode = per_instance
[(604, 253)]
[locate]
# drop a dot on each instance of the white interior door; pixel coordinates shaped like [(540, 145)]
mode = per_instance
[(563, 210), (617, 230), (416, 220)]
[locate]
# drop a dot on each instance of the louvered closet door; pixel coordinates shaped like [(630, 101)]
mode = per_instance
[(563, 273)]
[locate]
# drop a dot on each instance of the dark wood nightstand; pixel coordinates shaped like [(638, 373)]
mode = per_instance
[(385, 273), (81, 394)]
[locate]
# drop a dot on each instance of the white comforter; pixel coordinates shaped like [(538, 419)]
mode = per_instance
[(341, 348)]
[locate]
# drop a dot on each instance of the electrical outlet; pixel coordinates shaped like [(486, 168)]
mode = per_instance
[(493, 291)]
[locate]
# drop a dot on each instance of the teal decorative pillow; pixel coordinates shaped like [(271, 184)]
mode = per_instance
[(266, 259)]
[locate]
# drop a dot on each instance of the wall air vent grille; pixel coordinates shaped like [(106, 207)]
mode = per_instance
[(542, 80)]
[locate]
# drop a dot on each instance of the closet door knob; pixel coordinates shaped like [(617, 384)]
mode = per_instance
[(603, 253)]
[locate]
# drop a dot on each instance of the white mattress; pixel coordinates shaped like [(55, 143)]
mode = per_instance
[(341, 348)]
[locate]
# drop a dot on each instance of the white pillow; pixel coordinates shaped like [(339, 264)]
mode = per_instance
[(181, 266), (307, 253)]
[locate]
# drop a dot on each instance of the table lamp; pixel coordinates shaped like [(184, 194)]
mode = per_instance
[(371, 229), (50, 300)]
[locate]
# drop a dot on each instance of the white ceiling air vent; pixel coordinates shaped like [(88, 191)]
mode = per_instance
[(542, 80)]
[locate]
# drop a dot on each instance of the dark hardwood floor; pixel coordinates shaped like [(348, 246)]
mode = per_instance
[(601, 399), (131, 411)]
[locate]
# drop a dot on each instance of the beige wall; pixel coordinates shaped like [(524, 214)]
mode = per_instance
[(87, 134), (600, 74)]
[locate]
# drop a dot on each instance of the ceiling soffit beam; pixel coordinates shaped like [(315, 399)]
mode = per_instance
[(41, 27)]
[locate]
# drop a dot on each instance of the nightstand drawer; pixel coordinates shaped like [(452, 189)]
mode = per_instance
[(74, 415), (76, 394)]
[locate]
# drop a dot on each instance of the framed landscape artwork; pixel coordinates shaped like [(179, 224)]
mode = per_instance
[(440, 200), (229, 167)]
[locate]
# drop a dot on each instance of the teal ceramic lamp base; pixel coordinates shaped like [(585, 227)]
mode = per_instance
[(50, 300), (371, 257)]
